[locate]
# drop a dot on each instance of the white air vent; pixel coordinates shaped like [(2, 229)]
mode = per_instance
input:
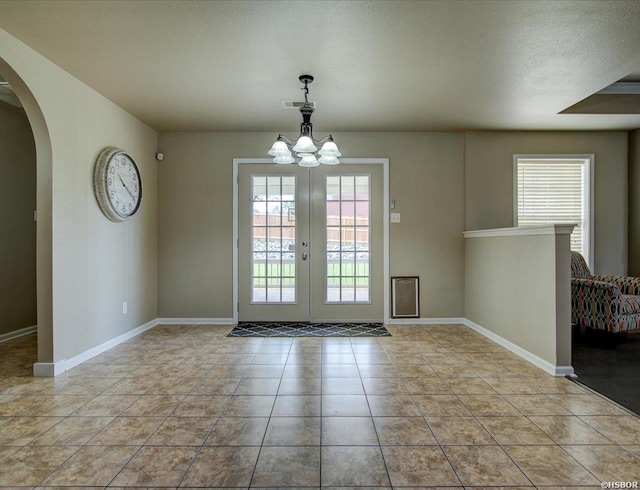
[(287, 104)]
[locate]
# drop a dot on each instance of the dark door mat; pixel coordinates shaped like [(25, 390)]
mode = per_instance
[(306, 329)]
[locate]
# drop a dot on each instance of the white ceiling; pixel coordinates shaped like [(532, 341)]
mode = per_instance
[(379, 66)]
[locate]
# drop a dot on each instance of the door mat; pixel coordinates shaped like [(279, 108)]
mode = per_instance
[(306, 329)]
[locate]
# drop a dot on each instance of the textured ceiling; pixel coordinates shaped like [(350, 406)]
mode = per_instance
[(379, 66)]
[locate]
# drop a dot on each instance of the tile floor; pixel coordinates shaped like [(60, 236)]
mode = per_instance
[(185, 406)]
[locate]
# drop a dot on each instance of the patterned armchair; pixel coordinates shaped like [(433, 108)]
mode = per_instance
[(610, 303)]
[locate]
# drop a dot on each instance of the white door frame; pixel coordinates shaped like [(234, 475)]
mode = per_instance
[(344, 161)]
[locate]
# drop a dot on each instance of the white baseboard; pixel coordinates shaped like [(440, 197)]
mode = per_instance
[(195, 321), (18, 333), (53, 369), (427, 321), (88, 354), (525, 354), (49, 369), (565, 371), (59, 367)]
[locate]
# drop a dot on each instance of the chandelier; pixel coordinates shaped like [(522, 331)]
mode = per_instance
[(305, 146)]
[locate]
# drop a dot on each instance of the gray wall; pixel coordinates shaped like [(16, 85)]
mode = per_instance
[(195, 219), (443, 183), (17, 203), (489, 183), (634, 203), (87, 265)]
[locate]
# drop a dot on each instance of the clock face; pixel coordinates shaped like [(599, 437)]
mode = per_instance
[(123, 185), (117, 184)]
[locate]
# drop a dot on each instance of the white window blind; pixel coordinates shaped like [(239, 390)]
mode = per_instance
[(555, 190)]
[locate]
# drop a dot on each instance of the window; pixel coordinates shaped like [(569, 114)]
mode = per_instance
[(556, 189)]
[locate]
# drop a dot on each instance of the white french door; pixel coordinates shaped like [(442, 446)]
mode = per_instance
[(273, 248), (310, 243)]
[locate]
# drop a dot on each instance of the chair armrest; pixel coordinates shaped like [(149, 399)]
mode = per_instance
[(597, 284), (594, 302), (627, 284)]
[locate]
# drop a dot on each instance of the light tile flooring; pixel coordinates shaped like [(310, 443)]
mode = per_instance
[(184, 406)]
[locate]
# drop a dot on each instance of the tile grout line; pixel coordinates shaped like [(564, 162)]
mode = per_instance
[(204, 442), (375, 429), (561, 446), (602, 397), (465, 356), (264, 436), (80, 447), (475, 417), (504, 450), (146, 440), (431, 430)]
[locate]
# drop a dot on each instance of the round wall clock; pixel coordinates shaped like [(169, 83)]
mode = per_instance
[(117, 184)]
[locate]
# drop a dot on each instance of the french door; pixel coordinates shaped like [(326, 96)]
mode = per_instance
[(310, 243)]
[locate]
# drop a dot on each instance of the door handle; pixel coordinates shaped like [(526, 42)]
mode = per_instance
[(305, 255)]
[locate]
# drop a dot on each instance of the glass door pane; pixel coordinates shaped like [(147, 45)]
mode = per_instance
[(347, 242), (273, 238)]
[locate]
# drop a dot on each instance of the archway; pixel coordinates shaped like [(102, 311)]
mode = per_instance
[(44, 269)]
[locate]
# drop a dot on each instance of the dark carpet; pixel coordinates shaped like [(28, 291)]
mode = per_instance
[(609, 364), (306, 329)]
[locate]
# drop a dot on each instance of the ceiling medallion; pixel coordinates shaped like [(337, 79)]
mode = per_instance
[(305, 146)]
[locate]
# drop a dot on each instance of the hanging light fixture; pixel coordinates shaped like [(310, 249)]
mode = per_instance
[(305, 146)]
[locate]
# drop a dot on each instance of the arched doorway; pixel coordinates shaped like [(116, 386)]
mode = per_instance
[(44, 211), (18, 341)]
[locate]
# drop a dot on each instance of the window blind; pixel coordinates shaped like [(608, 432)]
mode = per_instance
[(553, 191)]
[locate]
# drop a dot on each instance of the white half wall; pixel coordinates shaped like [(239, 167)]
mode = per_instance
[(518, 292)]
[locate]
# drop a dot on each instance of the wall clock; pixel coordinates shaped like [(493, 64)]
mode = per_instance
[(117, 184)]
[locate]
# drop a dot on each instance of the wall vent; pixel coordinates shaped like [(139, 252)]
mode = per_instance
[(287, 104)]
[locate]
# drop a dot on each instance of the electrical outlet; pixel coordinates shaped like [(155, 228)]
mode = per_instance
[(124, 308), (395, 217)]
